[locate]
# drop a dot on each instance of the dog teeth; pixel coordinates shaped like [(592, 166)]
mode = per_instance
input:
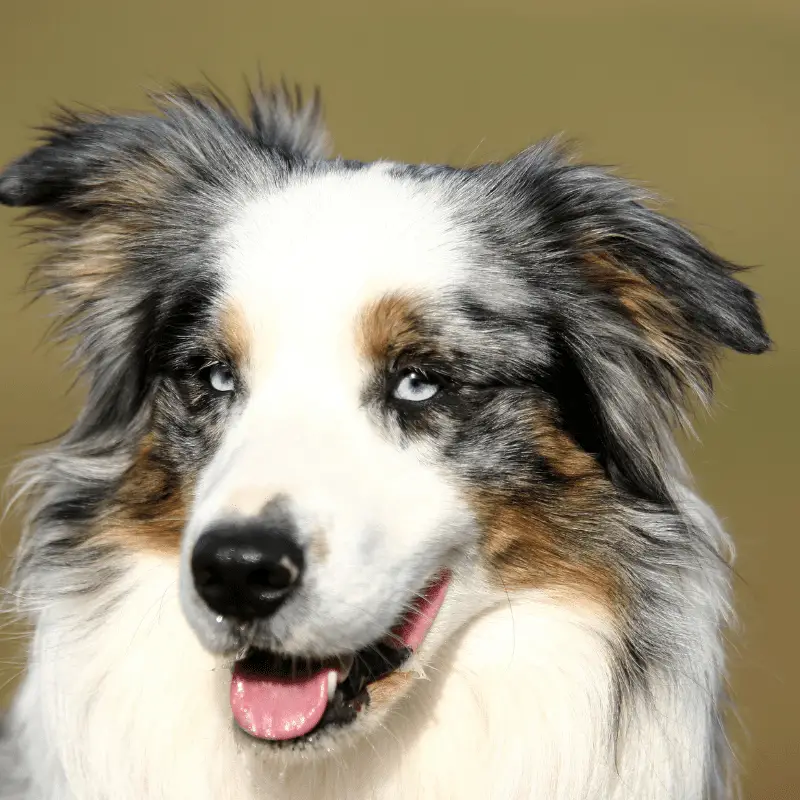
[(332, 683), (242, 654), (345, 665)]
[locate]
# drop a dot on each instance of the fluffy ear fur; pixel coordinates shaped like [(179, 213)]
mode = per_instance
[(647, 310), (85, 157), (282, 118)]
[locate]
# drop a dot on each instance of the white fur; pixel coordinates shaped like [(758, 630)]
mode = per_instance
[(516, 706)]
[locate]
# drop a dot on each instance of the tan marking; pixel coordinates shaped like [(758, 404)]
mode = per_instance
[(143, 185), (148, 511), (662, 324), (134, 186), (320, 549), (390, 689), (83, 258), (526, 552), (562, 453), (245, 499), (541, 543), (387, 327), (236, 333)]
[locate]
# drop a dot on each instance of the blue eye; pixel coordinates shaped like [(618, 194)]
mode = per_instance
[(220, 378), (415, 387)]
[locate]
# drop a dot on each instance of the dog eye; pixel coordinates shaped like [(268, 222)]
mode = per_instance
[(220, 378), (414, 386)]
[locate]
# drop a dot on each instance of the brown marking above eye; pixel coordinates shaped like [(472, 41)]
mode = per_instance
[(388, 327), (235, 333)]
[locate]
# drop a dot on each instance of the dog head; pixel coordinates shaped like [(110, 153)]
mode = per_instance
[(356, 404)]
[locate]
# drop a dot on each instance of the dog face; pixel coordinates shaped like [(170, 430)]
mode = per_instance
[(323, 295), (356, 404)]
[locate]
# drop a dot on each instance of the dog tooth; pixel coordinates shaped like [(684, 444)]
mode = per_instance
[(345, 665), (332, 682)]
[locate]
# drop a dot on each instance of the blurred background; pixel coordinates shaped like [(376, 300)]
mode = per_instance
[(698, 99)]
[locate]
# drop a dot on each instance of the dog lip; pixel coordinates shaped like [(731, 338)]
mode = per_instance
[(355, 671), (259, 661), (405, 636)]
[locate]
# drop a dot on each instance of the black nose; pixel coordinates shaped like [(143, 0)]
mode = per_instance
[(246, 569)]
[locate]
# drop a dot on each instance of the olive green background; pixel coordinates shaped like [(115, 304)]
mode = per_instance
[(700, 99)]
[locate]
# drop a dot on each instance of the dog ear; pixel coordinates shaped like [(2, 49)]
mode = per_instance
[(93, 159), (643, 310), (75, 150)]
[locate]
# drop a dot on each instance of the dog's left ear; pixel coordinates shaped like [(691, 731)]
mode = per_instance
[(678, 291), (643, 309)]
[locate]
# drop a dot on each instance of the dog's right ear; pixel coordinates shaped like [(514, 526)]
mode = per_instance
[(17, 184), (102, 160), (78, 155), (50, 173)]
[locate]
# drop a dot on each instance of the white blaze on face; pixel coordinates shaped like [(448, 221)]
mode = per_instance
[(301, 266)]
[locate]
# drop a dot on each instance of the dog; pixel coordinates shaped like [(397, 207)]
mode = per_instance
[(375, 492)]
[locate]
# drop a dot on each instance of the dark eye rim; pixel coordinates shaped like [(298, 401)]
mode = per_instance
[(428, 374), (204, 374)]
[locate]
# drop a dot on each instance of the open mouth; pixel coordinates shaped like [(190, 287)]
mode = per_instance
[(282, 699)]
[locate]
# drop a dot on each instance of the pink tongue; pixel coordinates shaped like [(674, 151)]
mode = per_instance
[(278, 709), (271, 708)]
